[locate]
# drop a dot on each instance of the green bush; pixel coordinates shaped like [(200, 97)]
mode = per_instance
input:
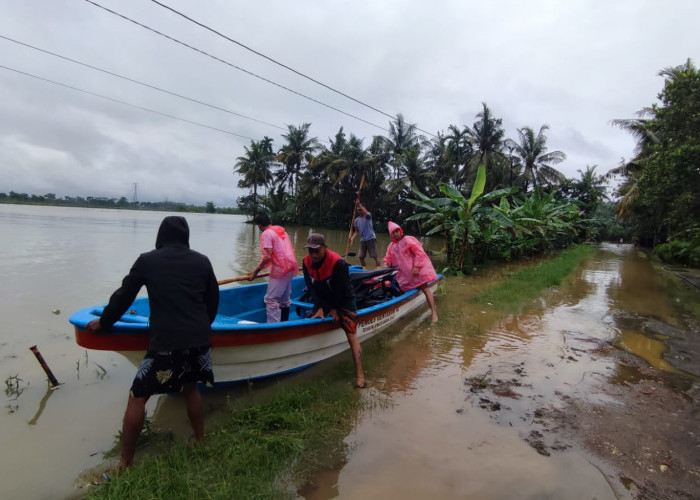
[(679, 252)]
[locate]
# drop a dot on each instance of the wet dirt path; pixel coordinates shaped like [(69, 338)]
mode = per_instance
[(588, 393)]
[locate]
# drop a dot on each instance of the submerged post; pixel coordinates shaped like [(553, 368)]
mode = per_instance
[(40, 358)]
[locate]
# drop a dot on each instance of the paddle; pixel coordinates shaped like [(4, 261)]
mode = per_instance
[(241, 278), (354, 215)]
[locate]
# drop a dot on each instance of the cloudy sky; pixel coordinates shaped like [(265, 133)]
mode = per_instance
[(573, 65)]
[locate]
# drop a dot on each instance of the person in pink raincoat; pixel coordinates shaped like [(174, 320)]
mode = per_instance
[(278, 253), (415, 269)]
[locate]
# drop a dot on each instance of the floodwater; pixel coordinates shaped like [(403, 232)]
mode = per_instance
[(424, 439), (437, 439), (54, 261)]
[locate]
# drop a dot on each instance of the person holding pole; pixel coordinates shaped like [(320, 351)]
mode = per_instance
[(183, 296), (368, 239), (277, 252)]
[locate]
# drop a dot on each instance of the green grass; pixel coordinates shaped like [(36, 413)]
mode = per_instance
[(261, 452), (523, 286)]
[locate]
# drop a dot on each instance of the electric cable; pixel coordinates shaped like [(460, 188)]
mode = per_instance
[(139, 82), (125, 103), (240, 44), (233, 65)]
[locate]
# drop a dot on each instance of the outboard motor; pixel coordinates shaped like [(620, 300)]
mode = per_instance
[(374, 287)]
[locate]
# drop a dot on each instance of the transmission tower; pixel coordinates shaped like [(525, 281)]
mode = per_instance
[(136, 192)]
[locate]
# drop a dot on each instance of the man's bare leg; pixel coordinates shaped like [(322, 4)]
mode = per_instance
[(357, 359), (131, 428), (195, 409)]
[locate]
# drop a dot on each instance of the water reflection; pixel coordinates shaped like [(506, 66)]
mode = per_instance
[(42, 405), (556, 345)]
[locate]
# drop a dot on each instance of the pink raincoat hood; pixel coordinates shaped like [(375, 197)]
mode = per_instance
[(280, 231), (393, 226)]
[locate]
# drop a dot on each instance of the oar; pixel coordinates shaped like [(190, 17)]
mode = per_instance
[(348, 253), (241, 278)]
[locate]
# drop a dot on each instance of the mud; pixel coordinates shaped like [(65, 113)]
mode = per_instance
[(642, 425), (590, 391)]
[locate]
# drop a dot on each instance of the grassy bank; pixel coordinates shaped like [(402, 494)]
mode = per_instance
[(527, 284), (298, 431), (268, 450)]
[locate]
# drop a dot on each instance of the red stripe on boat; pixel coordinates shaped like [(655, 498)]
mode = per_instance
[(118, 341)]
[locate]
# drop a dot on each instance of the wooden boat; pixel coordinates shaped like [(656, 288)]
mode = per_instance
[(244, 347)]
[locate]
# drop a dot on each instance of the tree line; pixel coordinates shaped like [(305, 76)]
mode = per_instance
[(489, 196), (105, 202), (422, 182), (661, 189)]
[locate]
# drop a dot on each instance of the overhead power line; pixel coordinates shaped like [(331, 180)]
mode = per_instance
[(240, 44), (233, 65), (139, 83), (125, 103)]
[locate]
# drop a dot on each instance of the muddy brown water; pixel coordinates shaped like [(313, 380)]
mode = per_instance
[(442, 436), (430, 434)]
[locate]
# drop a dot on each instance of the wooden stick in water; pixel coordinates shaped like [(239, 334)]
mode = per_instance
[(40, 358)]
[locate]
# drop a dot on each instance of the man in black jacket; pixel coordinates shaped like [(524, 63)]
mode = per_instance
[(183, 295)]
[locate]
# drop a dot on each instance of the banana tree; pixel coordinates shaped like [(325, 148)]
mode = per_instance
[(454, 216)]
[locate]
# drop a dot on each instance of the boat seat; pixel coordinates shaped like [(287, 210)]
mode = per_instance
[(252, 315), (299, 303)]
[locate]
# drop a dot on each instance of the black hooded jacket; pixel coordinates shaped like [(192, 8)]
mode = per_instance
[(182, 291)]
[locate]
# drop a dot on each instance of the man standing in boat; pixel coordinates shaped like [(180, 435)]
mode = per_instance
[(183, 295), (278, 253), (327, 278), (368, 239)]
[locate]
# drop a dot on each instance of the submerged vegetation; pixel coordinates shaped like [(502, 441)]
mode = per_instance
[(529, 283)]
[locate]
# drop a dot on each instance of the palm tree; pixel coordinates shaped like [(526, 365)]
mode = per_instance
[(537, 162), (459, 152), (413, 171), (402, 137), (646, 138), (487, 134), (254, 167), (296, 154), (486, 137), (590, 189)]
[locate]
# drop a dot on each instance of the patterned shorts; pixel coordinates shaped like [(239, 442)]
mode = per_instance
[(348, 321), (164, 372)]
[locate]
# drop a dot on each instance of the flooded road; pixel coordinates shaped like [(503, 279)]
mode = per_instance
[(458, 409), (476, 405)]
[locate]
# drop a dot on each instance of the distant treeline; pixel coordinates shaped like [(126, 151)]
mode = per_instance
[(102, 202)]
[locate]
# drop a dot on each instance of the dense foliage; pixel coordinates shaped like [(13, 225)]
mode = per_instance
[(662, 182), (519, 203)]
